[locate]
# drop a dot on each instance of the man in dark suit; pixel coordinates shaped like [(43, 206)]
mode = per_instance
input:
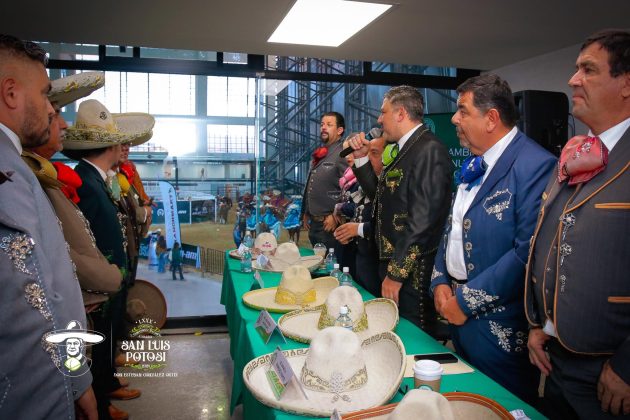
[(477, 281), (39, 289), (577, 291), (411, 199), (322, 186)]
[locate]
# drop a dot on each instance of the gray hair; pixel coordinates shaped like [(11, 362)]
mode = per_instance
[(409, 98)]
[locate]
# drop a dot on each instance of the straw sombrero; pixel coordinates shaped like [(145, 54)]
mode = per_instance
[(145, 300), (286, 255), (338, 371), (463, 406), (95, 128), (68, 89), (296, 290), (266, 243), (369, 318)]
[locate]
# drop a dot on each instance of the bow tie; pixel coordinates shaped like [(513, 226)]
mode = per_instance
[(472, 171), (390, 153), (581, 159)]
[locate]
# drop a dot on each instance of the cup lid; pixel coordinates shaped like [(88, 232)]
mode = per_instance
[(428, 367)]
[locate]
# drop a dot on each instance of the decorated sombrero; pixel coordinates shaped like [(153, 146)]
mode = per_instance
[(435, 406), (68, 89), (368, 318), (286, 255), (338, 371), (74, 330), (296, 290), (145, 300), (95, 128)]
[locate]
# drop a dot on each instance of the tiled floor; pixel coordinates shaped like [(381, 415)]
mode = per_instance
[(201, 389), (196, 296)]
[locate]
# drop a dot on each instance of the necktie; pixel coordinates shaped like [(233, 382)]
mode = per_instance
[(390, 153), (472, 171), (581, 159)]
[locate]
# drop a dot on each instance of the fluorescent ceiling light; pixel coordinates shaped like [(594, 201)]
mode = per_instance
[(327, 23)]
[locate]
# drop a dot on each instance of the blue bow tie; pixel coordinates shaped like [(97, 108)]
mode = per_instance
[(472, 171)]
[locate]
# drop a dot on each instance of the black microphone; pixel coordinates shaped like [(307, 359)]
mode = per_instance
[(374, 133)]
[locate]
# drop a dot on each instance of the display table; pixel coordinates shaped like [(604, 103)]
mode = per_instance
[(246, 344)]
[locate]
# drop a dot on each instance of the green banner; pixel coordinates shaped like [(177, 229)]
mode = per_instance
[(442, 127)]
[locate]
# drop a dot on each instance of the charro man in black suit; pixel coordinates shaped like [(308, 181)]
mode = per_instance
[(411, 202), (577, 290)]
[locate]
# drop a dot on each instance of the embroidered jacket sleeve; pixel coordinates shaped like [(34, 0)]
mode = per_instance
[(428, 203), (501, 283), (440, 273)]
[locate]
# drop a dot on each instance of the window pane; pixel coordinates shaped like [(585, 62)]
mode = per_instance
[(172, 94)]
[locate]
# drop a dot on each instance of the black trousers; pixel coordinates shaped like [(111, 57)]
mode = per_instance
[(571, 388)]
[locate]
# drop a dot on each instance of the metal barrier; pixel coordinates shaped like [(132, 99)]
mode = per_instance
[(212, 260)]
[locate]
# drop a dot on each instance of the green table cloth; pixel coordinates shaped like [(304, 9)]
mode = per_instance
[(246, 344)]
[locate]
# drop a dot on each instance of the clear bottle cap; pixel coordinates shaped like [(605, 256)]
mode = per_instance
[(343, 310), (336, 266), (346, 270), (331, 250)]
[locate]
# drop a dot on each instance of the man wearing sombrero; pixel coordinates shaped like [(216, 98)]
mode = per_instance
[(95, 141)]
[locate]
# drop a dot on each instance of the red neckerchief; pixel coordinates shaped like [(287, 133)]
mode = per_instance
[(127, 169), (319, 154), (581, 159), (70, 180)]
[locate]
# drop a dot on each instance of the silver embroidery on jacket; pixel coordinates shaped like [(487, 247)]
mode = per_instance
[(435, 274), (52, 350), (36, 297), (502, 334), (480, 302), (18, 247)]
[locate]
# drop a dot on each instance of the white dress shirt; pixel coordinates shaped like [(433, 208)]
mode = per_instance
[(455, 263), (13, 137)]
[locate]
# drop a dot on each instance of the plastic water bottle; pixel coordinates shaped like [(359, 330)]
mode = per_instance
[(248, 240), (246, 261), (346, 278), (344, 319), (336, 272), (330, 260)]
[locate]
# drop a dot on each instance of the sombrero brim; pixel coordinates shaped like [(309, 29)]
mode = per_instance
[(266, 298), (465, 406), (66, 90), (59, 336), (152, 298), (276, 265), (384, 356), (301, 325), (133, 127), (234, 254)]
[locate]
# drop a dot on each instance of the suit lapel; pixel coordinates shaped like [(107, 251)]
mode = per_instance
[(617, 160), (408, 145), (499, 170)]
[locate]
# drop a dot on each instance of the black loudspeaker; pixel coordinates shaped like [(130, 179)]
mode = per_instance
[(544, 117)]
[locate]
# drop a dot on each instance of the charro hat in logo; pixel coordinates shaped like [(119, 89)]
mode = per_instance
[(338, 371), (74, 330)]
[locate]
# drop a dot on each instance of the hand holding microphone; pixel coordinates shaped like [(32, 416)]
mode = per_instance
[(359, 143)]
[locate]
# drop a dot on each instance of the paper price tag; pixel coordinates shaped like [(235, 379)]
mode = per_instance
[(241, 249), (265, 325), (259, 279), (335, 415), (262, 260)]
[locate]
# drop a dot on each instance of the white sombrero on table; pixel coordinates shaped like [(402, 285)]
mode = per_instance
[(95, 128), (296, 290), (368, 318), (287, 255), (435, 406), (68, 89), (338, 371)]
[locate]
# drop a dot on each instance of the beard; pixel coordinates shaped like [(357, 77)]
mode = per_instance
[(34, 132)]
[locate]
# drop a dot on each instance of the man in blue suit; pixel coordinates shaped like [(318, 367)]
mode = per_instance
[(477, 280)]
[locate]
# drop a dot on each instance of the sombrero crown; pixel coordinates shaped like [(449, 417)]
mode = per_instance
[(95, 127)]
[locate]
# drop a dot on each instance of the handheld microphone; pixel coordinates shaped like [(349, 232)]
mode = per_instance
[(374, 133)]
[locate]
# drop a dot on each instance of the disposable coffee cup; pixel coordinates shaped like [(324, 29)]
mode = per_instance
[(427, 374)]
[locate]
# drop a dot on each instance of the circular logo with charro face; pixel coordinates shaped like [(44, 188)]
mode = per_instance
[(70, 343)]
